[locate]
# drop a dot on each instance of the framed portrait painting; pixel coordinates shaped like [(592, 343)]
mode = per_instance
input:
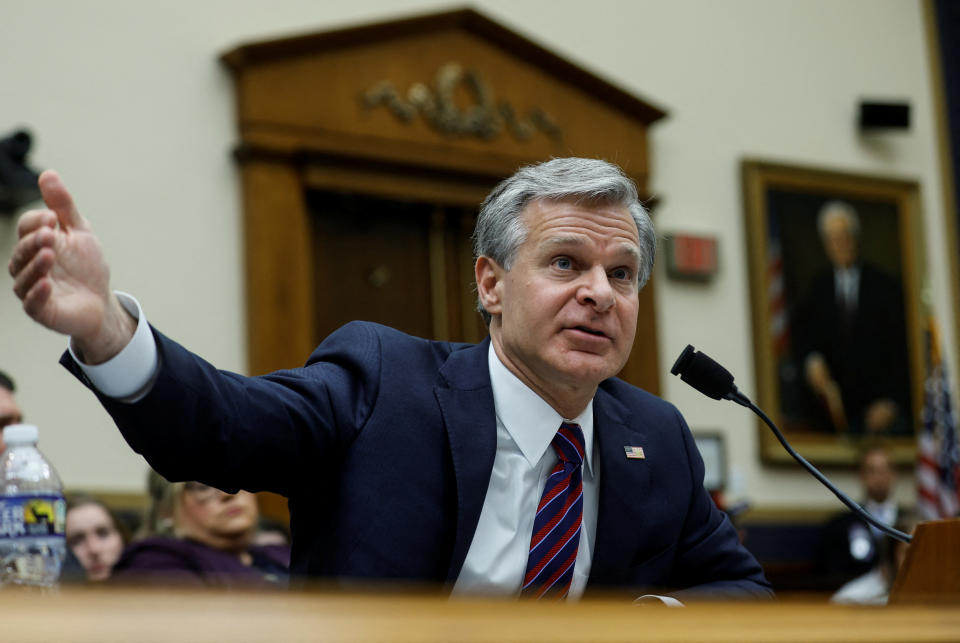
[(835, 298)]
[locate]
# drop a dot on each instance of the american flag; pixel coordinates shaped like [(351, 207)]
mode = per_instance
[(938, 454), (780, 327)]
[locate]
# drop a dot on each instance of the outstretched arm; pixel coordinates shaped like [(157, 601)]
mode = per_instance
[(62, 277)]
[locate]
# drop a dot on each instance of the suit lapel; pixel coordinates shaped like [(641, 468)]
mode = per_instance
[(623, 485), (466, 403)]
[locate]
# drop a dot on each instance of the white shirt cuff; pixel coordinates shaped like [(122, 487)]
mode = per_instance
[(129, 374), (669, 601)]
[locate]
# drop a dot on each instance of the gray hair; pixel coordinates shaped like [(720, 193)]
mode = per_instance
[(500, 230), (838, 209)]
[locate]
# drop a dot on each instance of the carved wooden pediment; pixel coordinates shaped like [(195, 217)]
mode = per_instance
[(453, 90)]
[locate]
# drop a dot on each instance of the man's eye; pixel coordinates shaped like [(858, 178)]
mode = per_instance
[(622, 273), (563, 263)]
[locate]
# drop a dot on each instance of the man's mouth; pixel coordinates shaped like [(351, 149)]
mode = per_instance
[(591, 331)]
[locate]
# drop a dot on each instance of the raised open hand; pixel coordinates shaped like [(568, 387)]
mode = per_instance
[(62, 277)]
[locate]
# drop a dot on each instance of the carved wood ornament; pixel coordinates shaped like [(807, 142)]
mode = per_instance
[(484, 117)]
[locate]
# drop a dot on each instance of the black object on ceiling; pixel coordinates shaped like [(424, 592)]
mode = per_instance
[(18, 182)]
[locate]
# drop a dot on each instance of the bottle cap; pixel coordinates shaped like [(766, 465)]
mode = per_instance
[(20, 433)]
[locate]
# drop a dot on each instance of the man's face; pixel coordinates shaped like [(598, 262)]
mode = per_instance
[(565, 314), (877, 475), (9, 412), (839, 241)]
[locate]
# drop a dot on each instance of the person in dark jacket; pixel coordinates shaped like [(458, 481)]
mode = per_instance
[(202, 536)]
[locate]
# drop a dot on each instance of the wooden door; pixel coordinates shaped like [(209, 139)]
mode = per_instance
[(404, 264)]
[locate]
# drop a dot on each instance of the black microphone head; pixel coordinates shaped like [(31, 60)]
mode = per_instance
[(704, 374)]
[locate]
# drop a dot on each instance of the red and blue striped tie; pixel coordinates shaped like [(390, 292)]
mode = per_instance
[(556, 529)]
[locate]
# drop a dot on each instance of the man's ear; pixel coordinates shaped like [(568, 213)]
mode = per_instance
[(489, 275)]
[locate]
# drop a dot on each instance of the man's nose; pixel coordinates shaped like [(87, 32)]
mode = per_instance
[(596, 290)]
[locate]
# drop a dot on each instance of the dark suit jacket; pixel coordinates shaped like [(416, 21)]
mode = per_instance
[(384, 444)]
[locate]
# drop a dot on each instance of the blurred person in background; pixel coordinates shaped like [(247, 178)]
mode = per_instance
[(850, 546), (204, 537), (10, 412), (94, 535), (873, 587)]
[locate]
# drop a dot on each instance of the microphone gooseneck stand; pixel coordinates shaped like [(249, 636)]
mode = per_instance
[(707, 376)]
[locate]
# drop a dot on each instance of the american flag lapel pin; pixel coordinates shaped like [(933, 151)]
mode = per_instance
[(634, 453)]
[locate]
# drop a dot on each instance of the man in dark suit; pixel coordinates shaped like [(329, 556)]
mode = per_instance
[(850, 546), (519, 465), (850, 336)]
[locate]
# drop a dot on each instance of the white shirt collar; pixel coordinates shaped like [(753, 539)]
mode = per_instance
[(528, 418), (848, 277), (885, 508)]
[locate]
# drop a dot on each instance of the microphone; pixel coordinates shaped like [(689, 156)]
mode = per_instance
[(707, 376)]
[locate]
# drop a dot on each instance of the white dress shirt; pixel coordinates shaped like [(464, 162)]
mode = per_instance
[(497, 558), (886, 512), (127, 375), (847, 282)]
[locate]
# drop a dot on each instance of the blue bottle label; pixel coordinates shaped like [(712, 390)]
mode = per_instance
[(32, 516)]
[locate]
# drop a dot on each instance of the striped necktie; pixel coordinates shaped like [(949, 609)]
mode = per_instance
[(556, 529)]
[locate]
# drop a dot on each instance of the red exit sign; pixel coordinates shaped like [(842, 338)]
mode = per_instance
[(691, 257)]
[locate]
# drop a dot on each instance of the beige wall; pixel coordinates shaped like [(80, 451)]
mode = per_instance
[(128, 101)]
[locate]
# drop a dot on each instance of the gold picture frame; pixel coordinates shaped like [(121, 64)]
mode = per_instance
[(802, 323)]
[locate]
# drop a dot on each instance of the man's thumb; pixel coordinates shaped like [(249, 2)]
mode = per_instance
[(58, 199)]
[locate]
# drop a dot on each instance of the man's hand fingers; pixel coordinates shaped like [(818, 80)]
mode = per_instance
[(38, 268), (58, 199), (33, 219), (27, 248), (36, 298)]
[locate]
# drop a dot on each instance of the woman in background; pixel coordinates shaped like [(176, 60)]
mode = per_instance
[(202, 536), (94, 535)]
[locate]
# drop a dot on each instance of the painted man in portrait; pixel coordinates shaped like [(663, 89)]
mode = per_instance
[(851, 338)]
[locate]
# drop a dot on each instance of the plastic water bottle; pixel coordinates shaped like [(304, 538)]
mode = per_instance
[(33, 513)]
